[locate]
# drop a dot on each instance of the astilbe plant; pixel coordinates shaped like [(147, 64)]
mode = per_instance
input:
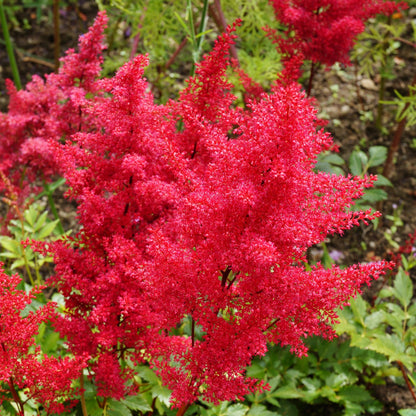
[(23, 367), (47, 110), (323, 32), (198, 211)]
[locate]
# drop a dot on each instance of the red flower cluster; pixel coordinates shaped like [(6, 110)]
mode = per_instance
[(198, 212), (22, 365), (45, 111), (324, 30)]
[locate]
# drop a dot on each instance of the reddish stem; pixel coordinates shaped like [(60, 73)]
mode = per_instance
[(217, 15), (394, 146), (406, 379), (56, 35), (182, 410), (16, 397)]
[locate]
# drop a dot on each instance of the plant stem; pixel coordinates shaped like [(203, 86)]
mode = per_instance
[(406, 379), (56, 35), (16, 397), (83, 404), (9, 48), (394, 146), (218, 16), (182, 410), (382, 89)]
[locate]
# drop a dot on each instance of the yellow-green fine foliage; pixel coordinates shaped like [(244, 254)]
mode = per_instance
[(158, 28)]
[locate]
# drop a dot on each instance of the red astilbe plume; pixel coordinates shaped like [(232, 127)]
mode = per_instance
[(49, 110), (23, 367), (324, 31), (200, 212)]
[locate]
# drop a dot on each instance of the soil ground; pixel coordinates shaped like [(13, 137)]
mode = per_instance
[(346, 98)]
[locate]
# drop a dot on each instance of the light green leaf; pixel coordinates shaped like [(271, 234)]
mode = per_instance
[(92, 407), (403, 288), (162, 393), (382, 181), (393, 348), (354, 394), (237, 409), (407, 412), (358, 162), (47, 230), (288, 392), (137, 403), (118, 409), (378, 155), (374, 195), (40, 221), (259, 410), (11, 245)]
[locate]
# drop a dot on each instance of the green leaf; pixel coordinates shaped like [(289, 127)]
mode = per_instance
[(358, 162), (288, 392), (382, 181), (148, 374), (50, 343), (403, 287), (92, 407), (118, 409), (334, 159), (137, 403), (162, 393), (47, 230), (393, 348), (40, 221), (354, 394), (378, 155), (407, 412), (359, 309), (374, 195), (11, 245), (237, 409), (259, 410)]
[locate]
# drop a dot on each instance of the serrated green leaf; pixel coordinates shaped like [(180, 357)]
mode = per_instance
[(378, 155), (374, 320), (354, 394), (393, 348), (116, 408), (137, 403), (148, 374), (335, 381), (162, 393)]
